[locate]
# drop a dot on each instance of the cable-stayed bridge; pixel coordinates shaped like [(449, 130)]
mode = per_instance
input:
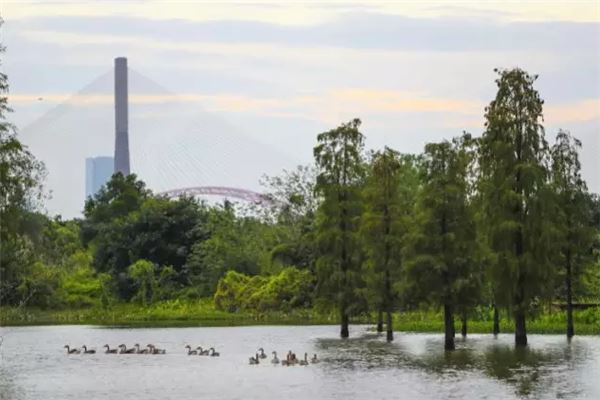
[(175, 146)]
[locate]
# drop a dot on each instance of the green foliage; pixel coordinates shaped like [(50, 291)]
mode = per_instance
[(339, 159), (516, 197), (125, 223), (291, 288), (235, 243), (293, 213), (389, 197), (442, 263), (21, 177), (573, 213), (142, 274), (81, 288)]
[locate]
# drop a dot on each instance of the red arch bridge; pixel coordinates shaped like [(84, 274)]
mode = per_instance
[(229, 192)]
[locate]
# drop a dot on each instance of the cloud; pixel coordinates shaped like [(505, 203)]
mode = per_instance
[(394, 101), (580, 111), (353, 100), (348, 30), (308, 12)]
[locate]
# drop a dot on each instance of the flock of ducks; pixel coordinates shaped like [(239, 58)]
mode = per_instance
[(121, 349), (200, 352), (290, 359)]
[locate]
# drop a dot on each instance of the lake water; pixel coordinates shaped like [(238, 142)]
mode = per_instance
[(34, 365)]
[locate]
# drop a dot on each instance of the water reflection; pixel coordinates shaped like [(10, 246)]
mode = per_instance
[(551, 368), (8, 389)]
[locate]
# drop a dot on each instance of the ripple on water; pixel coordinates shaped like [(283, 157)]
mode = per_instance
[(34, 365)]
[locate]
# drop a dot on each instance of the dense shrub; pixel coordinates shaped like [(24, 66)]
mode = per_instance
[(289, 289)]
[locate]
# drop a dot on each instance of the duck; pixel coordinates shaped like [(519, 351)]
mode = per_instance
[(154, 350), (190, 351), (202, 352), (86, 351), (140, 351), (293, 359), (275, 360), (253, 360), (213, 352), (314, 359), (72, 351), (109, 350), (305, 361), (125, 350), (288, 359), (262, 353)]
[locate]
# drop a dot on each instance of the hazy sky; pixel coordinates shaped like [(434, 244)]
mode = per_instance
[(281, 72)]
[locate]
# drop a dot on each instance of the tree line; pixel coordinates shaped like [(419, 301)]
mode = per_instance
[(503, 220)]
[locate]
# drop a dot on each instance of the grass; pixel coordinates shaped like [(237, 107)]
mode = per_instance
[(202, 313), (167, 313)]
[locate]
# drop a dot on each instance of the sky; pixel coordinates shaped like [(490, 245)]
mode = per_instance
[(221, 92)]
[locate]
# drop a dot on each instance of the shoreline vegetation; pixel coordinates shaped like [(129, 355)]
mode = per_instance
[(203, 314)]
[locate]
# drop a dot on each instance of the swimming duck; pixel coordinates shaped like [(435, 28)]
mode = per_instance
[(262, 353), (253, 360), (86, 351), (213, 352), (202, 352), (109, 350), (72, 351), (154, 350), (190, 351), (275, 360), (125, 350), (305, 361), (314, 359), (140, 351)]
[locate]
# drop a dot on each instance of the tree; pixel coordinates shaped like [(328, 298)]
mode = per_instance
[(293, 214), (142, 273), (21, 177), (388, 197), (241, 244), (515, 195), (120, 196), (441, 251), (338, 156), (573, 215)]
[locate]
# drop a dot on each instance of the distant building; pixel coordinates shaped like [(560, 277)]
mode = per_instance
[(98, 171)]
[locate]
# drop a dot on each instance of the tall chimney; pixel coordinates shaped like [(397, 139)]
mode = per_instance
[(121, 117)]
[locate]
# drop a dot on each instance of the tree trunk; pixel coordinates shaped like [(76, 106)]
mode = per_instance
[(520, 329), (448, 327), (380, 321), (463, 329), (390, 330), (345, 332), (568, 278), (496, 328)]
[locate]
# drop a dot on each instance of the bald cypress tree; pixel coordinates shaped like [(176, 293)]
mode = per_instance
[(440, 252), (513, 183), (572, 216), (339, 160), (388, 197)]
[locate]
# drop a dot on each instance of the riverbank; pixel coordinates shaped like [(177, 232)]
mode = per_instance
[(203, 313)]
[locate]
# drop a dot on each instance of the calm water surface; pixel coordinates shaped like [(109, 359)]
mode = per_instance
[(33, 365)]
